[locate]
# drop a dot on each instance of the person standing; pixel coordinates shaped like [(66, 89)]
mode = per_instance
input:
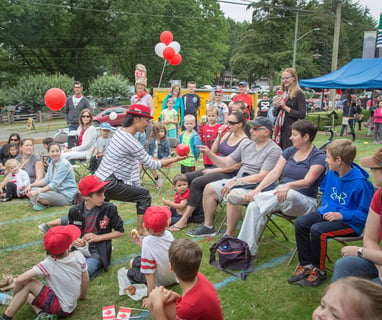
[(288, 108), (221, 106), (349, 109), (73, 107), (191, 103), (245, 97), (264, 106)]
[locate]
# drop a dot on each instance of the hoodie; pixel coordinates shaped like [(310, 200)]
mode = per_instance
[(349, 195)]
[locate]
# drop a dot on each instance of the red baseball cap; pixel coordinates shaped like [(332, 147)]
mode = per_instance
[(219, 90), (156, 219), (140, 110), (58, 239), (91, 184)]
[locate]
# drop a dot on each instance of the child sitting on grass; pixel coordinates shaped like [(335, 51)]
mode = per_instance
[(152, 267), (16, 181), (158, 147), (199, 299), (181, 197), (65, 271)]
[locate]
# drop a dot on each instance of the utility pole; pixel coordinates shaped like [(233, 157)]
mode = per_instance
[(295, 42), (336, 38)]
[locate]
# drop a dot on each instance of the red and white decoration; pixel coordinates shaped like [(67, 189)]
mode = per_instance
[(108, 313), (123, 313)]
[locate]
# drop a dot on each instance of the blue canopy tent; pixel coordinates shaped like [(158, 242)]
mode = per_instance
[(357, 74)]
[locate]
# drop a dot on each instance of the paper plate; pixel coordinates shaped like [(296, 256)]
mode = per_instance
[(124, 282)]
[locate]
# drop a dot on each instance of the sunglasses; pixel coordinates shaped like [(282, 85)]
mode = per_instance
[(232, 123), (86, 116), (13, 139)]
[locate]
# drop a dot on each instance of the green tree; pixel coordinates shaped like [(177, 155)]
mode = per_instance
[(109, 86)]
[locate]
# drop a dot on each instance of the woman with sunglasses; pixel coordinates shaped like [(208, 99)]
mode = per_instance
[(289, 107), (87, 136), (30, 162), (14, 138), (59, 185), (228, 139)]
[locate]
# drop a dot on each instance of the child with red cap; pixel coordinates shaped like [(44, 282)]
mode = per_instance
[(99, 223), (152, 267), (65, 271)]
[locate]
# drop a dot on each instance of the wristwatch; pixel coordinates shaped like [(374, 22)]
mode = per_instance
[(359, 252)]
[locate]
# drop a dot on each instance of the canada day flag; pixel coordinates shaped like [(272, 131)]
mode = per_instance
[(108, 313), (123, 313)]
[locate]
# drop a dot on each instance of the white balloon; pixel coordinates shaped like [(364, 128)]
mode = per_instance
[(113, 115), (175, 45), (159, 47)]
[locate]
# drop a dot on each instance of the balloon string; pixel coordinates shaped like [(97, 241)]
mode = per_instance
[(50, 121), (160, 79)]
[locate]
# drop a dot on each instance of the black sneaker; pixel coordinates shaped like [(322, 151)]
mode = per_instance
[(202, 231), (314, 279), (300, 274)]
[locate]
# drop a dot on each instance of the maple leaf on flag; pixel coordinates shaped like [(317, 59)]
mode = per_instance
[(108, 313), (123, 313)]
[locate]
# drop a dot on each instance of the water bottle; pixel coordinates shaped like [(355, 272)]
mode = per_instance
[(5, 298)]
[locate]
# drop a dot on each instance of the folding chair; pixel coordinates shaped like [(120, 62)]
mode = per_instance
[(166, 171), (270, 222)]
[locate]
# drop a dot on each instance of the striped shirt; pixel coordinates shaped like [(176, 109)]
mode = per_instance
[(122, 159)]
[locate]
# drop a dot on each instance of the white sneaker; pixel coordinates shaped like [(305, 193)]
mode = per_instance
[(159, 182)]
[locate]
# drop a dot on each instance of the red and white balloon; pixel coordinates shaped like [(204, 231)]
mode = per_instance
[(168, 49)]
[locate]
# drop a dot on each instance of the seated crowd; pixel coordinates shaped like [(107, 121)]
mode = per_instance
[(244, 168)]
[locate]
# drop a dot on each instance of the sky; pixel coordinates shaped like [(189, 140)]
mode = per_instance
[(239, 13)]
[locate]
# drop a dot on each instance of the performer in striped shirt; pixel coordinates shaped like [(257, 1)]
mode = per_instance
[(120, 164)]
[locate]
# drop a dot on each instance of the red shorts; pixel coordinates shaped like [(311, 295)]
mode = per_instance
[(48, 301)]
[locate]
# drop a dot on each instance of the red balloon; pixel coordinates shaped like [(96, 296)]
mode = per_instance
[(166, 37), (182, 150), (176, 59), (168, 53), (55, 99)]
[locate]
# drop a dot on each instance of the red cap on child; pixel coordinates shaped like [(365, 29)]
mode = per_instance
[(91, 184), (58, 239), (156, 219)]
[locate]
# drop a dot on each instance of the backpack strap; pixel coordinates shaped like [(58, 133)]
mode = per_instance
[(213, 250)]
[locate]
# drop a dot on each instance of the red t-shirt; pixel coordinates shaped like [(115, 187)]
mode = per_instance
[(208, 138), (201, 302), (376, 206), (246, 98), (179, 197)]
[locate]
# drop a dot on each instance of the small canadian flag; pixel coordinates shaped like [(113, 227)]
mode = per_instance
[(123, 313), (108, 313)]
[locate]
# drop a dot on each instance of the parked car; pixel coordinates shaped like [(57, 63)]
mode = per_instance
[(104, 116), (22, 110)]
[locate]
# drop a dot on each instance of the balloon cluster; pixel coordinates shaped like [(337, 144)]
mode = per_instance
[(168, 49)]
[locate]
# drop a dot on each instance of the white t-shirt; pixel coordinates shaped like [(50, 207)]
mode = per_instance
[(64, 277), (154, 258), (76, 101)]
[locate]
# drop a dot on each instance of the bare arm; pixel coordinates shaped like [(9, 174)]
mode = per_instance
[(221, 162), (92, 237), (150, 280), (22, 280), (5, 181), (178, 206), (273, 175), (84, 285), (39, 170)]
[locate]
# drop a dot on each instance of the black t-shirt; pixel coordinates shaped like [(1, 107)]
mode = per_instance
[(263, 107), (191, 102)]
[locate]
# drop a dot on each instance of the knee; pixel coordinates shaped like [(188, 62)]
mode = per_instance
[(209, 191)]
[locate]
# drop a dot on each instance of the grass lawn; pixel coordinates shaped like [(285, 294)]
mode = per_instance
[(264, 295)]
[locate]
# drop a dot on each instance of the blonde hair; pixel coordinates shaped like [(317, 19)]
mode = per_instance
[(10, 163), (213, 109), (362, 296), (343, 148), (292, 92), (188, 117)]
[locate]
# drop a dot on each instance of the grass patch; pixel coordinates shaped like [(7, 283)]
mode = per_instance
[(264, 295)]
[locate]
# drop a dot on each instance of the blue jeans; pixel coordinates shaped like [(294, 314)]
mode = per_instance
[(94, 266), (312, 233), (357, 267), (344, 126)]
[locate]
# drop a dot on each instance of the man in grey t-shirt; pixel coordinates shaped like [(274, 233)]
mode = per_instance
[(257, 157)]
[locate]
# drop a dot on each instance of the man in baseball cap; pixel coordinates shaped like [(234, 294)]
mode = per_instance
[(99, 223), (262, 122)]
